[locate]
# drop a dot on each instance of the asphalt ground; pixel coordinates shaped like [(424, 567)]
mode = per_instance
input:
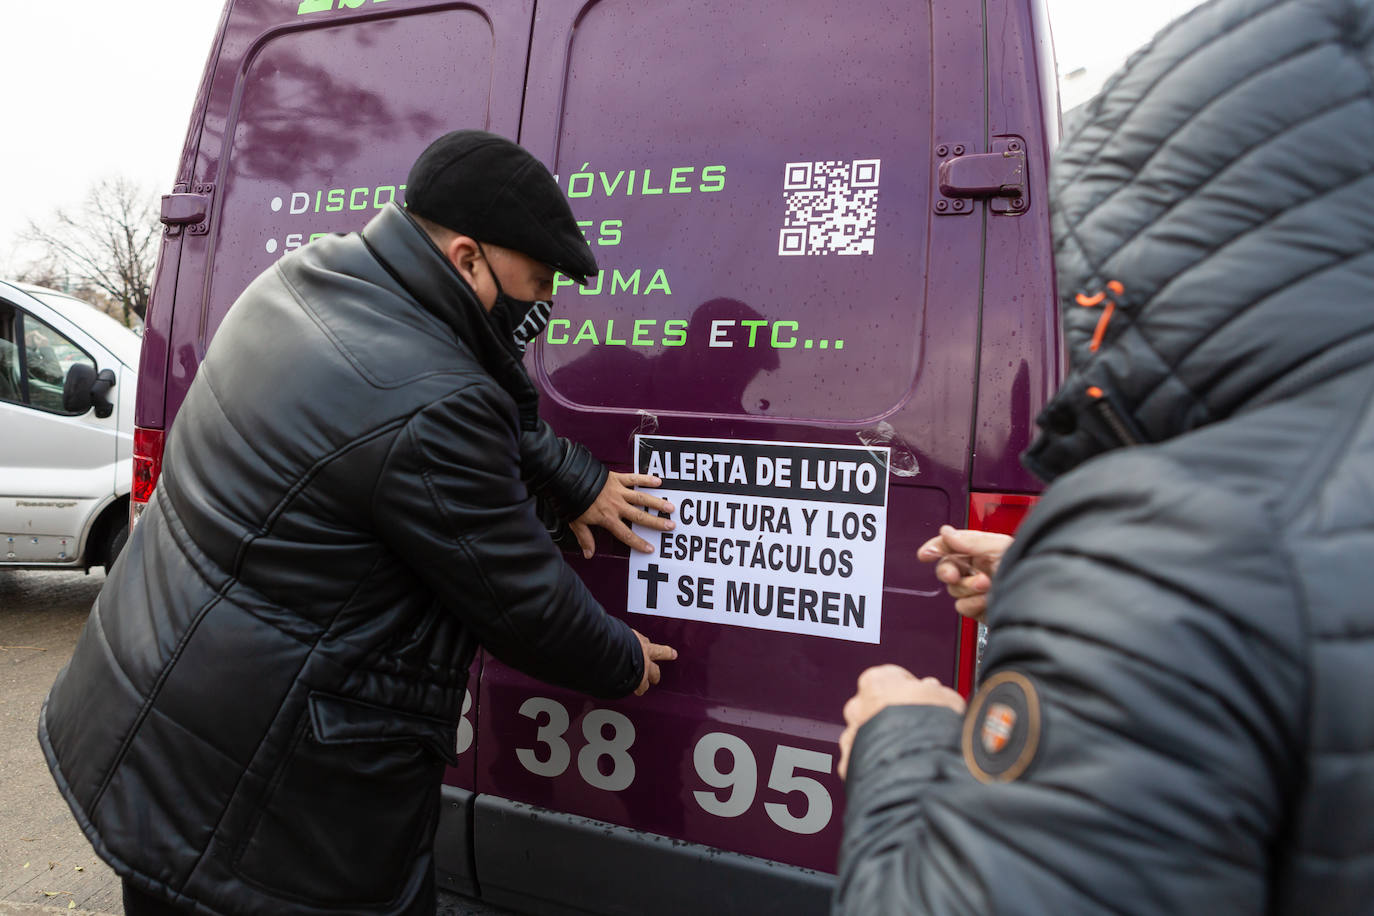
[(46, 864), (45, 860)]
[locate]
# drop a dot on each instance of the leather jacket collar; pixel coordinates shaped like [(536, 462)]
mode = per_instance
[(407, 253)]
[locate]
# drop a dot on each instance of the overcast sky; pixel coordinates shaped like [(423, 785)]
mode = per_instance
[(98, 87), (1092, 38)]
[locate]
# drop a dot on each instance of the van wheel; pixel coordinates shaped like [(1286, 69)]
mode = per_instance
[(114, 543)]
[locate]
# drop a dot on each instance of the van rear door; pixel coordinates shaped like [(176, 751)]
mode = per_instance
[(313, 113), (756, 182), (310, 115)]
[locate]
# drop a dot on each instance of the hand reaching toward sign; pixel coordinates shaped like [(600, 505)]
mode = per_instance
[(653, 654), (966, 561), (890, 685), (617, 507)]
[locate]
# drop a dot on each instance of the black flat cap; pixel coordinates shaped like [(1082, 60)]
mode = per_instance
[(487, 187)]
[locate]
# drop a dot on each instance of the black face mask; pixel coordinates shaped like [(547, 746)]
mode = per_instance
[(517, 320), (521, 319)]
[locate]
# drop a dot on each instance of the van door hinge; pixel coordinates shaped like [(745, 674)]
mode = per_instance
[(998, 176), (187, 206)]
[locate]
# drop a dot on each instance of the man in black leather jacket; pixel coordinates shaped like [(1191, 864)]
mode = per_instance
[(258, 713), (1173, 714)]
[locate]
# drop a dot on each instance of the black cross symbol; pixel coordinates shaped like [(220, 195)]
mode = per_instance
[(652, 577)]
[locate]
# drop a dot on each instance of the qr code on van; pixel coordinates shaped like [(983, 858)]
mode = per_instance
[(832, 207)]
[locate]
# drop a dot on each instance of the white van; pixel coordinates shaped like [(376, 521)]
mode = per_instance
[(67, 383)]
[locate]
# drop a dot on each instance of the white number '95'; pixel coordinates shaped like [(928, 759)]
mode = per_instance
[(742, 779), (610, 734)]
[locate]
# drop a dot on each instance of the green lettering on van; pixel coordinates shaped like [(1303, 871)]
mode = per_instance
[(588, 182), (588, 332), (659, 282), (619, 283), (554, 329), (645, 332), (642, 327), (324, 6), (790, 342)]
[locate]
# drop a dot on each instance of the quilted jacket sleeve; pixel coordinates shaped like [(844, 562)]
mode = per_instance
[(451, 503), (561, 471), (1153, 617)]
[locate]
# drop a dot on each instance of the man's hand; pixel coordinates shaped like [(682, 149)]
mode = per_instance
[(889, 685), (653, 654), (618, 504), (967, 561)]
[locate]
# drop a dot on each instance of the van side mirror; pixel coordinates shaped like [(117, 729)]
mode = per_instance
[(84, 388)]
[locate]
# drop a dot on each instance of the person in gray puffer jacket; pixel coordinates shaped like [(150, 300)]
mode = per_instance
[(1173, 714)]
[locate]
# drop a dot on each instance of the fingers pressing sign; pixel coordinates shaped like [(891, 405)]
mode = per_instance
[(653, 654), (618, 506)]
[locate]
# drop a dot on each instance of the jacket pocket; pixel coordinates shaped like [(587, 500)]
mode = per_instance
[(353, 806)]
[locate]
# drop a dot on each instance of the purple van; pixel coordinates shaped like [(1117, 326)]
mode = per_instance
[(826, 317)]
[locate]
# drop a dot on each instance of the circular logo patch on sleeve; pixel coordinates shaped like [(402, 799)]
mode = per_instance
[(1002, 728)]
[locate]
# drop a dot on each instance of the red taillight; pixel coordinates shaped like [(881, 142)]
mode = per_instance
[(1003, 513), (147, 469)]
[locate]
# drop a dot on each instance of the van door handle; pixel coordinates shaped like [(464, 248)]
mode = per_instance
[(184, 208), (998, 176), (179, 209)]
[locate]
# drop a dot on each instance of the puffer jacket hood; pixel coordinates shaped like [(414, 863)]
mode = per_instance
[(1212, 226)]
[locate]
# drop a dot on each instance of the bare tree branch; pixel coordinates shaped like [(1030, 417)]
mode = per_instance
[(109, 245)]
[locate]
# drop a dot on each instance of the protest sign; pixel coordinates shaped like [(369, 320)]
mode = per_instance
[(779, 536)]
